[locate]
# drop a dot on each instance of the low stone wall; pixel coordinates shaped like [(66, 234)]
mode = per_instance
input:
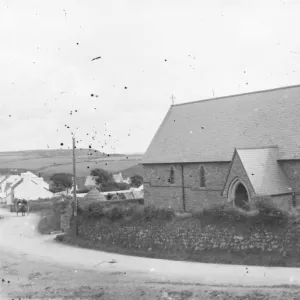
[(190, 236)]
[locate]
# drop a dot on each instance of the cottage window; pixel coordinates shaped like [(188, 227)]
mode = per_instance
[(171, 179), (202, 177)]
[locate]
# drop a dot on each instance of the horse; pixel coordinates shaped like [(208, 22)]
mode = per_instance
[(22, 206)]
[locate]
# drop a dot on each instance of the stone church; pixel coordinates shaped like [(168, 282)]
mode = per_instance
[(228, 149)]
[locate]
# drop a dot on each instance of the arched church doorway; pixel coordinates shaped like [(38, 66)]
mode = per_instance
[(238, 194), (241, 197)]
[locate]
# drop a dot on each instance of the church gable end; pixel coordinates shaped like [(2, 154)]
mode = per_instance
[(237, 171)]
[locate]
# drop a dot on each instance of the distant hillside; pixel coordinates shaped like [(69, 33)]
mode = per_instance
[(16, 171), (134, 170), (47, 162), (54, 153)]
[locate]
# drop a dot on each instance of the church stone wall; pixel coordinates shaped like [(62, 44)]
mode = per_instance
[(161, 193)]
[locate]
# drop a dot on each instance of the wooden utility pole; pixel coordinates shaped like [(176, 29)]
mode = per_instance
[(74, 188)]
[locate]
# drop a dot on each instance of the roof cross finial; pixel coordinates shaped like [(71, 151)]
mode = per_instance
[(172, 98)]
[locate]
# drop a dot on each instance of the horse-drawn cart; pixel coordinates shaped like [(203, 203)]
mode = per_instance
[(22, 206)]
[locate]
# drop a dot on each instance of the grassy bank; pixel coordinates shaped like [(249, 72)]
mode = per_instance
[(94, 221)]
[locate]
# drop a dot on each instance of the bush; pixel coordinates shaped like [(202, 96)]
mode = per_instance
[(49, 222), (61, 181), (94, 209), (62, 204), (269, 214), (221, 213), (60, 237), (39, 206), (114, 186), (266, 207), (129, 212), (136, 180), (123, 186), (294, 214), (152, 213), (94, 213), (83, 191), (265, 214), (115, 213)]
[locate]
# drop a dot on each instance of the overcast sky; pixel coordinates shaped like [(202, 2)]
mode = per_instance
[(150, 49)]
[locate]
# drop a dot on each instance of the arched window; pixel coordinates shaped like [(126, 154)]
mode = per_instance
[(202, 177), (171, 179)]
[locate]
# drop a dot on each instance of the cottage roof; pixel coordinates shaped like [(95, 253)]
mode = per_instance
[(16, 183), (30, 174), (118, 178), (80, 182), (7, 186), (2, 178), (264, 172), (13, 178), (210, 130), (90, 181), (41, 183)]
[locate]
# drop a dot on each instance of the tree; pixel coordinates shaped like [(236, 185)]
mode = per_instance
[(123, 186), (136, 180), (61, 181), (105, 181), (102, 177)]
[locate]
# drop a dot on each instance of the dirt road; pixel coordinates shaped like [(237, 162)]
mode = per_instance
[(35, 267)]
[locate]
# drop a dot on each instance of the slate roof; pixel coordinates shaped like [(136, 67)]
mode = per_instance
[(264, 172), (210, 130)]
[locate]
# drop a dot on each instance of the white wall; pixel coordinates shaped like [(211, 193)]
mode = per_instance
[(9, 200)]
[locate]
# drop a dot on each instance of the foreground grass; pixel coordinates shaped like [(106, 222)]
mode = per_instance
[(216, 256)]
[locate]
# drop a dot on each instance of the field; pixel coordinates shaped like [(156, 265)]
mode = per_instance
[(134, 170), (47, 162), (83, 168)]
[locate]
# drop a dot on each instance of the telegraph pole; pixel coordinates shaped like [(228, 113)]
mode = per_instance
[(74, 187)]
